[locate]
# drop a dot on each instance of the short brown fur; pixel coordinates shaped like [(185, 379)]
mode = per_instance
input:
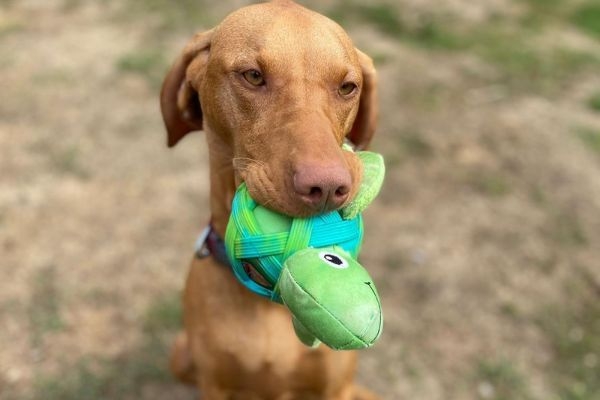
[(275, 137)]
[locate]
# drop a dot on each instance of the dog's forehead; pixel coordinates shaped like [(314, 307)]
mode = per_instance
[(281, 29)]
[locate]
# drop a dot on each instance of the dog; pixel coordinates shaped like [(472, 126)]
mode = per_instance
[(277, 89)]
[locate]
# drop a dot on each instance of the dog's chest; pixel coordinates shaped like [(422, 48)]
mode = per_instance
[(268, 357)]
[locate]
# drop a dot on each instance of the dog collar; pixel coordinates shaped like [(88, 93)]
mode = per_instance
[(209, 243)]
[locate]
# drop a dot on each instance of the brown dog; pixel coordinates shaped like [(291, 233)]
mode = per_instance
[(276, 88)]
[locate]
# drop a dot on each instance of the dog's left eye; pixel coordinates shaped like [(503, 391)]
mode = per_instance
[(347, 89), (254, 77)]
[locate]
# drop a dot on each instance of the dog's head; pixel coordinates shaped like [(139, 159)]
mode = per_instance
[(281, 87)]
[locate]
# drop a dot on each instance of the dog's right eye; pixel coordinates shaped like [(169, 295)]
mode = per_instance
[(254, 77), (347, 89)]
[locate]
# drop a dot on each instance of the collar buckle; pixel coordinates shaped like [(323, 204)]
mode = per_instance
[(208, 244), (201, 247)]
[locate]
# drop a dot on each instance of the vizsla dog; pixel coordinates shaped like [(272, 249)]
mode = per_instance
[(277, 89)]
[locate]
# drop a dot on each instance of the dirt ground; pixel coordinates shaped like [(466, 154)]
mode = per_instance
[(484, 244)]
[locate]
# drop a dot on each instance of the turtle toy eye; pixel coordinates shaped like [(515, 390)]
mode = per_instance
[(333, 260)]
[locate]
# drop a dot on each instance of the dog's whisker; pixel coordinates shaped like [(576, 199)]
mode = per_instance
[(246, 162)]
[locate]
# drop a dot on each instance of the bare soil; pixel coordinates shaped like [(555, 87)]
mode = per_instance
[(484, 243)]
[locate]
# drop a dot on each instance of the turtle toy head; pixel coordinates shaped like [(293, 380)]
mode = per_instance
[(309, 264), (332, 299)]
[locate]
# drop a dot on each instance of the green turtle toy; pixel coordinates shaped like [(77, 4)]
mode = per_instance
[(310, 264)]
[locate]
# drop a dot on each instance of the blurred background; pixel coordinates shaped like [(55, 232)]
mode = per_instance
[(484, 244)]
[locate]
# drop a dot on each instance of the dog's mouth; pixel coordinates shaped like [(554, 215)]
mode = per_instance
[(285, 201), (305, 191), (281, 195)]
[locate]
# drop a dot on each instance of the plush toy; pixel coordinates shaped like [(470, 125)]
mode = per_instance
[(309, 264)]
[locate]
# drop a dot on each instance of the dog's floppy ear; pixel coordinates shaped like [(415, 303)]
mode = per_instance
[(366, 119), (179, 101)]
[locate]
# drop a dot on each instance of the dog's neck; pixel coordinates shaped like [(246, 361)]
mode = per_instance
[(222, 181)]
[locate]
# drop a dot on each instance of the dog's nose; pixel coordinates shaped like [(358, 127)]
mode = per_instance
[(322, 187)]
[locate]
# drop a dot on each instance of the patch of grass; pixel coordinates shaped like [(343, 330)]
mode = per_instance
[(590, 138), (409, 144), (124, 376), (165, 314), (173, 16), (140, 62), (514, 60), (10, 27), (594, 102), (8, 390), (82, 382), (396, 261), (500, 380), (44, 309), (430, 98), (431, 34), (521, 63), (380, 58), (415, 145), (524, 66), (70, 5), (148, 63), (566, 229), (68, 161), (548, 263), (542, 12), (563, 227), (105, 379), (538, 195), (489, 183), (52, 76), (542, 5), (509, 310), (385, 17), (587, 18), (100, 297), (572, 328)]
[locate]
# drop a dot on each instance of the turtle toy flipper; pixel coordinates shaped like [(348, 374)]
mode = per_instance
[(332, 299), (371, 183), (304, 334)]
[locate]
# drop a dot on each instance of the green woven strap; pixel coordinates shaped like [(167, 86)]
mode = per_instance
[(259, 246), (299, 237)]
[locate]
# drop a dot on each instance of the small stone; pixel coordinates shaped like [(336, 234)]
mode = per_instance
[(13, 375), (486, 390)]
